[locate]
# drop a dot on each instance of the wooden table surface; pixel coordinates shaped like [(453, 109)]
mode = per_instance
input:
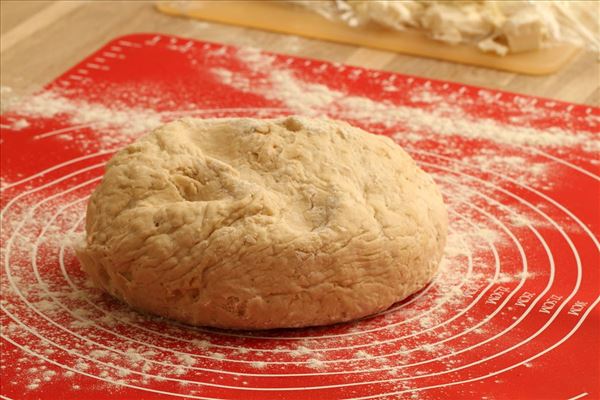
[(41, 39)]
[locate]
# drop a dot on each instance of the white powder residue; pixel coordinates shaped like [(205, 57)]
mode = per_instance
[(301, 97), (428, 347), (519, 220), (218, 356), (300, 351), (459, 124), (82, 365), (201, 343), (19, 124), (134, 356), (99, 353), (280, 84), (455, 245), (503, 277), (86, 310), (518, 168), (48, 306), (424, 95), (276, 82), (259, 364), (241, 350), (114, 124), (7, 98), (316, 363), (236, 80), (51, 104), (489, 235), (179, 371), (256, 58), (186, 359), (120, 365), (361, 354), (426, 322)]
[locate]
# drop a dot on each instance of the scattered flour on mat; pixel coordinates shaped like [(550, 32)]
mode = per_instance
[(130, 362), (259, 364), (142, 358), (276, 82), (109, 126), (19, 124), (50, 104)]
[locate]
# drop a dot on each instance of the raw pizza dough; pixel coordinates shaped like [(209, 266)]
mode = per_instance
[(255, 224)]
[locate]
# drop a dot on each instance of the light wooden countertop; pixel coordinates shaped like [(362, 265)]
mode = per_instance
[(41, 39)]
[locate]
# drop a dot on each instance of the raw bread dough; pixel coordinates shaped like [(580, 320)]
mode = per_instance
[(254, 224)]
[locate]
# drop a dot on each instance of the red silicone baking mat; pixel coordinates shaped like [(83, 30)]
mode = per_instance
[(513, 312)]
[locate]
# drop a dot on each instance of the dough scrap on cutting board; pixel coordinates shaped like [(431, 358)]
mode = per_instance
[(257, 224)]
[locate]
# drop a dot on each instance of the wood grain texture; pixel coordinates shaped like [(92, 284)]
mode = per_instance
[(12, 13), (43, 44), (279, 16)]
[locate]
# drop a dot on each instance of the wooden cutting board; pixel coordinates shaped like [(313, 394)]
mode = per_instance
[(286, 18)]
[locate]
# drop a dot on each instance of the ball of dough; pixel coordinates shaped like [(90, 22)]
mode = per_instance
[(256, 224)]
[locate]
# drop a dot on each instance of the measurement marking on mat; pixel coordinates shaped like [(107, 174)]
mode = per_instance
[(96, 66), (524, 299), (579, 396), (577, 308), (549, 304), (129, 44), (497, 295), (153, 41)]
